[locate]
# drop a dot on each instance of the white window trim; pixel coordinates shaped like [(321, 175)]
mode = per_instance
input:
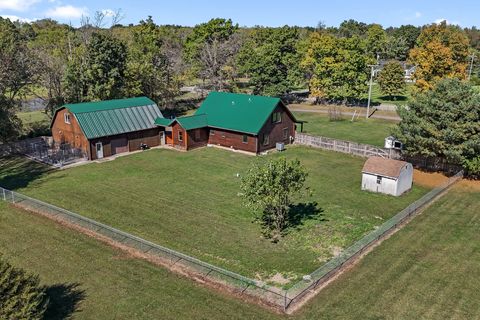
[(66, 116)]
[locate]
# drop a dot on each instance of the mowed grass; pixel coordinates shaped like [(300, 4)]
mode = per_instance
[(189, 202), (428, 270), (371, 131), (33, 116)]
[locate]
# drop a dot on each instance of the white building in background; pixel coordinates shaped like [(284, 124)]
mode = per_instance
[(387, 176)]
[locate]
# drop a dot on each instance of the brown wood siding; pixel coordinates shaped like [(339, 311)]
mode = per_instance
[(275, 130), (232, 139), (150, 137), (119, 145), (69, 133), (197, 138), (176, 128)]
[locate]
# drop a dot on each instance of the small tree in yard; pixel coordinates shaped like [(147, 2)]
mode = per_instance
[(21, 296), (391, 79), (269, 188)]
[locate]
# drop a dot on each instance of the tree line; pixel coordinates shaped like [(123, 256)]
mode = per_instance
[(62, 64)]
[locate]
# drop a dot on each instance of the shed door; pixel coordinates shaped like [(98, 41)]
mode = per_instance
[(119, 145)]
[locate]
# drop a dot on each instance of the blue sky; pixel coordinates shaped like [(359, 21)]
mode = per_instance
[(251, 12)]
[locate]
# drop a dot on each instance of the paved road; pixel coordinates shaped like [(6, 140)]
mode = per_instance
[(374, 116)]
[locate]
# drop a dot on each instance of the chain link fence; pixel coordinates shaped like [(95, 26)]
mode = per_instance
[(269, 295)]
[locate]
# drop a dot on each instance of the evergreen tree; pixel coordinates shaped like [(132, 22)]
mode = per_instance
[(21, 296)]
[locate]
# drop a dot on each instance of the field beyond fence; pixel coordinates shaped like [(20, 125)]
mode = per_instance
[(358, 149), (286, 300)]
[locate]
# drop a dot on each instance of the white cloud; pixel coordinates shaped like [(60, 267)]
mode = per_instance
[(440, 20), (108, 13), (16, 18), (17, 5), (418, 14), (67, 11)]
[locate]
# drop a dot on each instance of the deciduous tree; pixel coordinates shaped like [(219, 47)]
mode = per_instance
[(392, 79), (441, 52), (338, 67), (268, 190)]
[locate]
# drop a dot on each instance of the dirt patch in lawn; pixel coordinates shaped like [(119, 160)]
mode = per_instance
[(428, 179), (469, 185)]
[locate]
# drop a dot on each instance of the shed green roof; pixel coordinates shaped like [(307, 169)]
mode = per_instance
[(237, 112), (112, 117)]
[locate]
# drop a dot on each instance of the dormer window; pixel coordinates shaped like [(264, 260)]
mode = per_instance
[(66, 117)]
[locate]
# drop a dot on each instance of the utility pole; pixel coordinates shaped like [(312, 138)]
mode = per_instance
[(372, 66), (471, 66)]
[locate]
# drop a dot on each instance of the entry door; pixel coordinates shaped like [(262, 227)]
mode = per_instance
[(99, 148), (162, 138)]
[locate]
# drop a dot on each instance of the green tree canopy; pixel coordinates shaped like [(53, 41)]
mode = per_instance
[(21, 296), (97, 70), (268, 190), (17, 71), (392, 79), (270, 59), (443, 122), (338, 67)]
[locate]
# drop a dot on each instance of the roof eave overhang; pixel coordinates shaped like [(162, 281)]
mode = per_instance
[(380, 174)]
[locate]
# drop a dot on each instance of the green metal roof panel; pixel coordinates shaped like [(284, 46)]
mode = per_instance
[(164, 122), (108, 104), (193, 122), (101, 123), (238, 112)]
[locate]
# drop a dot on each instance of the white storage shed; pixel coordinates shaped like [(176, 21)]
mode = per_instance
[(387, 176)]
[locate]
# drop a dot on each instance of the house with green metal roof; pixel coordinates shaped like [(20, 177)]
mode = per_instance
[(105, 128), (236, 121)]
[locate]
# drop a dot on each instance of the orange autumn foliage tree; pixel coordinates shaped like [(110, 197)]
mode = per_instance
[(441, 52)]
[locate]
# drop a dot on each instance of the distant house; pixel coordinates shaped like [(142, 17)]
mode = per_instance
[(408, 69), (387, 176), (238, 121), (104, 128)]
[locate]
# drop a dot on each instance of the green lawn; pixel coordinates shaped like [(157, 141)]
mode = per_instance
[(371, 131), (378, 97), (33, 116), (189, 202), (428, 270)]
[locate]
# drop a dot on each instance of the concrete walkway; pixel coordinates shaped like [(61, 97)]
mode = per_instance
[(373, 116)]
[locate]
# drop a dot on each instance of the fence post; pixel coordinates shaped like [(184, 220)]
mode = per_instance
[(4, 197), (13, 197)]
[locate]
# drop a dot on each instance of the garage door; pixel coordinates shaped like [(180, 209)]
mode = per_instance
[(119, 145)]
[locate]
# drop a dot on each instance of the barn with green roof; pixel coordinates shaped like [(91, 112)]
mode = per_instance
[(104, 128), (236, 121)]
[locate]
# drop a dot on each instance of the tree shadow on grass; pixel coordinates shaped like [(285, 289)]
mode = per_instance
[(17, 172), (301, 212), (63, 300)]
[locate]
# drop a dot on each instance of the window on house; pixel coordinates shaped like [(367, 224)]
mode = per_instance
[(212, 132), (276, 117), (245, 138), (285, 133), (266, 139), (379, 179), (180, 135), (66, 117)]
